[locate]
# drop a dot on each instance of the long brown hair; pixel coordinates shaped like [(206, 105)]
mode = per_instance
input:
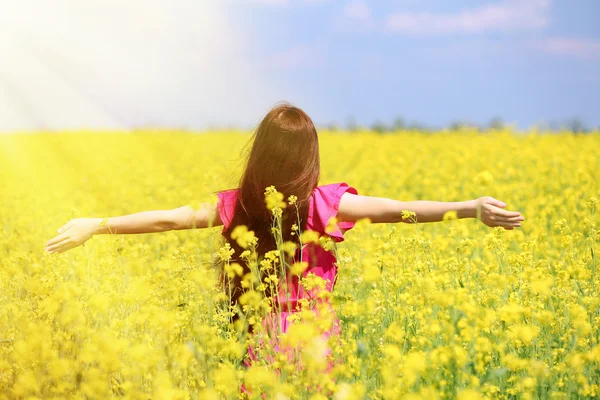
[(284, 153)]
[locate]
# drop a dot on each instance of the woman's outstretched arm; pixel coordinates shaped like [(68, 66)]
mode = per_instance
[(378, 209), (78, 231)]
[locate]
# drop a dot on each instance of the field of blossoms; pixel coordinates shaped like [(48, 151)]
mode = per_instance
[(435, 311)]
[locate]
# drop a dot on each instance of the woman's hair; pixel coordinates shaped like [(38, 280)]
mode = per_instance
[(285, 154)]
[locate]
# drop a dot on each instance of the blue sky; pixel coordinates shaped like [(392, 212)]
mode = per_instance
[(110, 64), (526, 61)]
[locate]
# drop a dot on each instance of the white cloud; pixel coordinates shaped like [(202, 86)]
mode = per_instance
[(572, 47), (507, 15), (114, 64)]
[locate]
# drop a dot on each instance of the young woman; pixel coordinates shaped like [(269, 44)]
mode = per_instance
[(285, 154)]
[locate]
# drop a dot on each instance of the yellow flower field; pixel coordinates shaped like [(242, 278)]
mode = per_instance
[(436, 311)]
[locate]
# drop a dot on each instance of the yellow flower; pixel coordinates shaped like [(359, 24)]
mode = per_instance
[(292, 199), (274, 199), (234, 269), (272, 255), (542, 286), (226, 252), (327, 243), (290, 248), (248, 279), (409, 215), (259, 378), (450, 215), (245, 254), (309, 236), (332, 225), (243, 236), (592, 203), (225, 379), (251, 298), (484, 178), (371, 273), (524, 333), (312, 281), (298, 267)]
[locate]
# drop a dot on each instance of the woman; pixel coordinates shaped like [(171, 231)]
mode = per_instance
[(284, 154)]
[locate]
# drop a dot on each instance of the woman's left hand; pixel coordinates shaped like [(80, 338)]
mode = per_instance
[(72, 234)]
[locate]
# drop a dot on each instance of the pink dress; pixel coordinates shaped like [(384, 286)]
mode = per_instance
[(323, 206)]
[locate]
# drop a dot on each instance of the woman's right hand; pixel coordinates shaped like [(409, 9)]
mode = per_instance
[(491, 212), (74, 233)]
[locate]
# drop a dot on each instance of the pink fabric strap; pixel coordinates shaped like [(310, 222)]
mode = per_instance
[(325, 206), (226, 206)]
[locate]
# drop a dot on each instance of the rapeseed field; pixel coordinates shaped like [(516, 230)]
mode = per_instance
[(436, 311)]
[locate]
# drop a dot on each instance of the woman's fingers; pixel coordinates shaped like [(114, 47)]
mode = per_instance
[(53, 247), (66, 246), (519, 218), (63, 246), (507, 214), (506, 224), (499, 212), (66, 226), (56, 248), (57, 239), (496, 202), (496, 219)]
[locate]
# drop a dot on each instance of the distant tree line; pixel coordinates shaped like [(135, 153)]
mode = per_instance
[(574, 124)]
